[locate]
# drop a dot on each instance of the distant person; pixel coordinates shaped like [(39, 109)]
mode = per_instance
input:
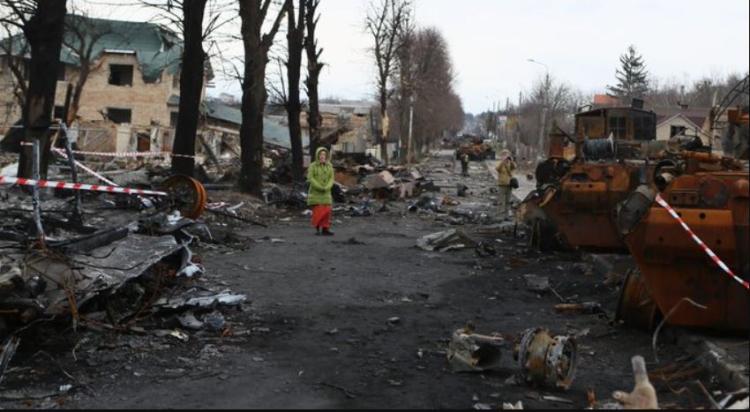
[(465, 164), (504, 177), (320, 176)]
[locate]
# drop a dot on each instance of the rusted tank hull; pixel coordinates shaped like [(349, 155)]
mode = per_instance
[(583, 207), (674, 267)]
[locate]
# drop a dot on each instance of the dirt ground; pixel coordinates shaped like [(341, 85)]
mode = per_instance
[(360, 320)]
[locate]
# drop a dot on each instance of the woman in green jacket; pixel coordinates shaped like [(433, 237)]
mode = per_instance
[(320, 177)]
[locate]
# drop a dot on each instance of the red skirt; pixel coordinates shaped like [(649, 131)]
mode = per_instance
[(321, 216)]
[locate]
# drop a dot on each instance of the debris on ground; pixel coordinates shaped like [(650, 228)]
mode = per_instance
[(545, 360), (537, 283), (445, 241), (470, 352), (518, 406)]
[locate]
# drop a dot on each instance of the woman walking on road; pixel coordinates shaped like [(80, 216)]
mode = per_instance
[(320, 177)]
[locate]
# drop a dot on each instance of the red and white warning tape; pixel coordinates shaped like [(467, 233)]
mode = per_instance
[(700, 243), (85, 169), (123, 154), (4, 180), (131, 154)]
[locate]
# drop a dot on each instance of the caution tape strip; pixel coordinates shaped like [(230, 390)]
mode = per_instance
[(85, 169), (132, 154), (5, 180), (700, 243), (124, 154)]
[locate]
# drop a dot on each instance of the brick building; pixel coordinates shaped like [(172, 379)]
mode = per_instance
[(134, 75)]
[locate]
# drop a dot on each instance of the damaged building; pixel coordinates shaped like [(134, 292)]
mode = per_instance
[(133, 82)]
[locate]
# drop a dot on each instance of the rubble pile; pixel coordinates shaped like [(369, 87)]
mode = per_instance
[(126, 267)]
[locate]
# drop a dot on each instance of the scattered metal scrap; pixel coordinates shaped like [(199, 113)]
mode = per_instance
[(470, 352), (545, 360), (542, 359)]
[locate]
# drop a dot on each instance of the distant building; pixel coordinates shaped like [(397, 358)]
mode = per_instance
[(355, 121), (683, 121)]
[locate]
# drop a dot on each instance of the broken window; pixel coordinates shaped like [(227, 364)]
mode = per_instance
[(59, 112), (121, 74), (677, 131), (119, 116), (618, 127)]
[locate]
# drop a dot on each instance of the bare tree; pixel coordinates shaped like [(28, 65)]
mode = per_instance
[(314, 67), (385, 23), (548, 102), (295, 37), (81, 36), (189, 17), (253, 14), (405, 96), (41, 22), (426, 85), (15, 52)]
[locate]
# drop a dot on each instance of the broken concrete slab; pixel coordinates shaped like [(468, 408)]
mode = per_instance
[(382, 180), (444, 241)]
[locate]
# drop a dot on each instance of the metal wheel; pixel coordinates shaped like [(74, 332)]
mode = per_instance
[(187, 195)]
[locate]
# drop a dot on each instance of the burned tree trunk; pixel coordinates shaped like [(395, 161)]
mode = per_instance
[(256, 45), (44, 32), (295, 44), (191, 88), (314, 67)]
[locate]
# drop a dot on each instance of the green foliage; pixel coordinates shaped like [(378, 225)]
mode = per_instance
[(632, 77)]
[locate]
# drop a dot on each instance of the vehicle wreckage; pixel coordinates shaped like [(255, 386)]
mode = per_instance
[(615, 195)]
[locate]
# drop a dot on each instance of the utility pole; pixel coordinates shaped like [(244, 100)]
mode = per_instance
[(410, 149)]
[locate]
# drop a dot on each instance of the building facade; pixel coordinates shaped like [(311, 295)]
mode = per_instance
[(133, 80)]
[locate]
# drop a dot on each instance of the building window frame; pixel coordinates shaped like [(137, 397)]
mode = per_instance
[(121, 75), (119, 114), (618, 126), (676, 130)]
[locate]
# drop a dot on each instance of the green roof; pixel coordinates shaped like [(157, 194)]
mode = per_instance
[(275, 132), (156, 48)]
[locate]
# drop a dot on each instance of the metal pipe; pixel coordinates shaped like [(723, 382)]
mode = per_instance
[(77, 213), (37, 213)]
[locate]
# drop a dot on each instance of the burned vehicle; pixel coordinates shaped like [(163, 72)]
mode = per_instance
[(477, 149), (576, 199), (690, 237)]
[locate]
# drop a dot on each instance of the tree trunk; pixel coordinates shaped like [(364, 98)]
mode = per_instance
[(383, 124), (253, 99), (313, 116), (191, 88), (295, 44), (313, 75), (44, 32)]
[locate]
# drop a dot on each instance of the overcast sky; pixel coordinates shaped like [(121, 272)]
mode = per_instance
[(491, 40)]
